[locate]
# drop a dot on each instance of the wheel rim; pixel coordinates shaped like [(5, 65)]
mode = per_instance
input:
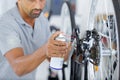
[(102, 17), (104, 21)]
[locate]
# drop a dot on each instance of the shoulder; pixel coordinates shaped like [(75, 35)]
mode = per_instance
[(7, 20), (6, 17)]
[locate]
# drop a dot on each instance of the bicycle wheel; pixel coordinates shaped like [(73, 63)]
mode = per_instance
[(103, 17)]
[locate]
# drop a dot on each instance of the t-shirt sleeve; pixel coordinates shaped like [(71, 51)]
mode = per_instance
[(9, 39)]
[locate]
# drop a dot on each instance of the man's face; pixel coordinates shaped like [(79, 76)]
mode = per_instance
[(32, 8)]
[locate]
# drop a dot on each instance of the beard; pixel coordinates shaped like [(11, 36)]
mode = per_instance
[(32, 13)]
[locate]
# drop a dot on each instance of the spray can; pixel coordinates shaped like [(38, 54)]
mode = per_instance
[(56, 63)]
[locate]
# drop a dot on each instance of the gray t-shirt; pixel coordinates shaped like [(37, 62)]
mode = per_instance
[(15, 32)]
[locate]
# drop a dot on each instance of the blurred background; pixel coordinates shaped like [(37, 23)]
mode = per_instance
[(53, 12)]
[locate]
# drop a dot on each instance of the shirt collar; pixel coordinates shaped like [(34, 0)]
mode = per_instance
[(15, 12)]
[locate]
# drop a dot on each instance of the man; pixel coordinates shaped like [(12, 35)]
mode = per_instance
[(25, 42)]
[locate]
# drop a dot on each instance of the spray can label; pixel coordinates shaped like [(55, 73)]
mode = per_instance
[(57, 62)]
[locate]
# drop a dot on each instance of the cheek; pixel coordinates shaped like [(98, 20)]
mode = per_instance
[(27, 5), (43, 4), (26, 9)]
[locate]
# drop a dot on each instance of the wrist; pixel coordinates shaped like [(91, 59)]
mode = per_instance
[(46, 50)]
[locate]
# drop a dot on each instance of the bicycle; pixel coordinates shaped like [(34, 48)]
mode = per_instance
[(95, 56)]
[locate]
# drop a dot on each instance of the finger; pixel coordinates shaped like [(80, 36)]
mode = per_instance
[(59, 48), (69, 44), (56, 34), (59, 52), (51, 52), (55, 55), (67, 52), (58, 43), (66, 57)]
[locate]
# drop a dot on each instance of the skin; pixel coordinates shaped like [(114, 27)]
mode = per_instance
[(23, 64), (30, 9)]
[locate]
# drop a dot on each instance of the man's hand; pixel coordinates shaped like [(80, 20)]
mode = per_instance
[(57, 48)]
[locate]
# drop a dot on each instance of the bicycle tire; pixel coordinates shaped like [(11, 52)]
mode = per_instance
[(105, 61), (110, 62), (67, 16), (77, 71), (114, 70), (116, 4)]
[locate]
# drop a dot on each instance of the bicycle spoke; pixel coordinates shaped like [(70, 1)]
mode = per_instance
[(95, 55)]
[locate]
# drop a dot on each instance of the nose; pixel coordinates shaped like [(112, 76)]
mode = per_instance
[(39, 4)]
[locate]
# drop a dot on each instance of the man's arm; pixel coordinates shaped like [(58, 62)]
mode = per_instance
[(23, 64)]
